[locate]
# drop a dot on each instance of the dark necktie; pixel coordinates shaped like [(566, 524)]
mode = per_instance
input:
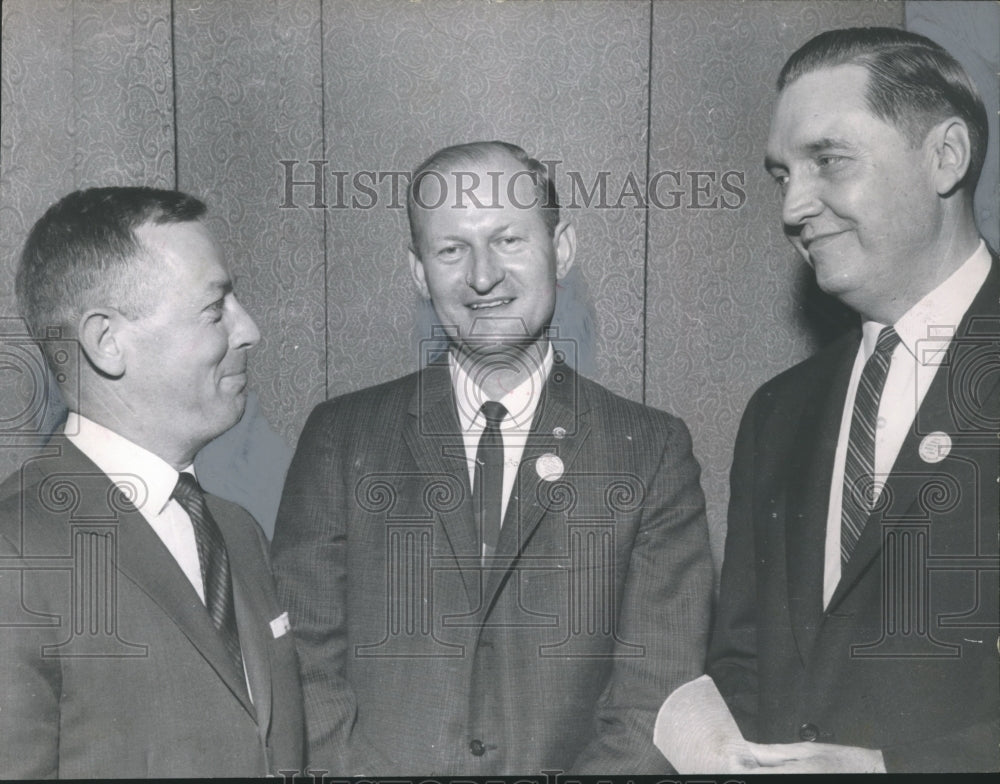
[(487, 489), (214, 560), (859, 467)]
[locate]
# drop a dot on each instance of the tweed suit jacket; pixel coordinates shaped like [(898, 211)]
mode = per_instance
[(419, 660), (109, 663), (905, 657)]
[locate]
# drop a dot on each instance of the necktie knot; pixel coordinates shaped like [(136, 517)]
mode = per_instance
[(494, 413), (187, 491), (887, 341)]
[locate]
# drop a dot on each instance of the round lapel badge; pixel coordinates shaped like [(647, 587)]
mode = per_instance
[(549, 467), (935, 447)]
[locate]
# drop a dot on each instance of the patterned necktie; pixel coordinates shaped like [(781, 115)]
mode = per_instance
[(859, 467), (487, 489), (214, 561)]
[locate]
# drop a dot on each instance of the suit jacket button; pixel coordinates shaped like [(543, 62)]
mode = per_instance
[(478, 748), (809, 732)]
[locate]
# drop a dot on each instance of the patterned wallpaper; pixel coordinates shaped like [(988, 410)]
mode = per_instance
[(688, 305)]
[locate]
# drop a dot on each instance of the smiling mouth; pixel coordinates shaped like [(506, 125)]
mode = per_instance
[(819, 239), (493, 303)]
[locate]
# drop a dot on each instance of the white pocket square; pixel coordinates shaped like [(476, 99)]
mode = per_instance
[(280, 625)]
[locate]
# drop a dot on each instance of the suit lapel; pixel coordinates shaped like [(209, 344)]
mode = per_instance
[(954, 403), (808, 496), (563, 409), (432, 435), (143, 559), (250, 599)]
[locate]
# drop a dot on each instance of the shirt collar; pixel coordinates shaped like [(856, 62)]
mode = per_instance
[(118, 457), (927, 328), (520, 402)]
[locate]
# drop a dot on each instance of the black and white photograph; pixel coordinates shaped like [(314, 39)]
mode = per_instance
[(550, 390)]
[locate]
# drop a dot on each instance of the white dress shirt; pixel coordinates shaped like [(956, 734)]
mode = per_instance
[(520, 402), (130, 466), (925, 332)]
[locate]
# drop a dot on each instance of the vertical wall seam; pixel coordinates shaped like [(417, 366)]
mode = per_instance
[(646, 237), (173, 92), (74, 99), (326, 213)]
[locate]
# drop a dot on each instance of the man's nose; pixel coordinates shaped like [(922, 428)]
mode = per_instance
[(485, 271), (244, 333), (800, 202)]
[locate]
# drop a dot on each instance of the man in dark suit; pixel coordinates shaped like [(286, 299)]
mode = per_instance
[(858, 615), (142, 636), (494, 565)]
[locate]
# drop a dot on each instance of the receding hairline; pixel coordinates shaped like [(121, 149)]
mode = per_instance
[(508, 159)]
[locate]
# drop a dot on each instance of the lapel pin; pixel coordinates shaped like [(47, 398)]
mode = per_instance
[(559, 432), (549, 467), (935, 447)]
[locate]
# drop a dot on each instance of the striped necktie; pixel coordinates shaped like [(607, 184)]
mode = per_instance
[(214, 561), (859, 467)]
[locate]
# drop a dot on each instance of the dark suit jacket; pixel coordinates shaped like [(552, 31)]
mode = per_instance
[(417, 661), (109, 663), (904, 659)]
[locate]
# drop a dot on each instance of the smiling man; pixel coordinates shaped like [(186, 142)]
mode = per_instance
[(858, 615), (142, 636), (493, 566)]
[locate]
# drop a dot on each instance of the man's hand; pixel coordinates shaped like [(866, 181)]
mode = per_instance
[(810, 757)]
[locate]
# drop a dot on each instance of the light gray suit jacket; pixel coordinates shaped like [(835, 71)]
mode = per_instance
[(109, 663)]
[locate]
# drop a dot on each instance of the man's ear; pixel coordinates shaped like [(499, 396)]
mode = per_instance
[(564, 240), (100, 340), (417, 270), (952, 154)]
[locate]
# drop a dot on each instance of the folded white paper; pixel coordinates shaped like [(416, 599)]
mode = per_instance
[(697, 733)]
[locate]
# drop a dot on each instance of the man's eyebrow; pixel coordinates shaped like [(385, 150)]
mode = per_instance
[(824, 144), (827, 143), (221, 285)]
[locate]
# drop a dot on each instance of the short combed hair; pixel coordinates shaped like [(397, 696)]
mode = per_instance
[(453, 158), (82, 253), (913, 82)]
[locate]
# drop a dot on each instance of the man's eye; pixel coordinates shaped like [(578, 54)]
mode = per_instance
[(216, 308), (448, 251), (509, 242), (781, 179), (826, 161)]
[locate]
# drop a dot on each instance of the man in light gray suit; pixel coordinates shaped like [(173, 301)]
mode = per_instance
[(141, 634), (494, 565)]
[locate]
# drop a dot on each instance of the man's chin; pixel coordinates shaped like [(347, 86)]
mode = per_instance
[(497, 346)]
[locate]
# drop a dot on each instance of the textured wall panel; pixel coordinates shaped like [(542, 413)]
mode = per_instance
[(248, 96), (36, 123), (729, 302), (122, 93), (86, 100), (567, 81)]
